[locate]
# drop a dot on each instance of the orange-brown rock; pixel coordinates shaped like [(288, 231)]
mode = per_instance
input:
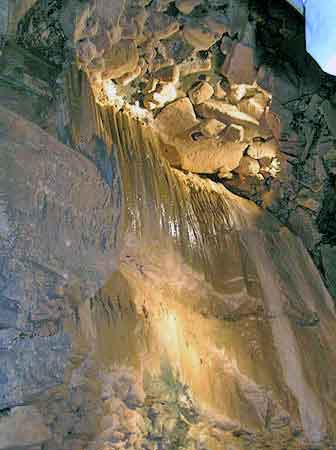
[(234, 133), (176, 118), (263, 149), (211, 127), (210, 155), (216, 109), (254, 106), (187, 6), (248, 167), (200, 36), (202, 92), (195, 64), (120, 59)]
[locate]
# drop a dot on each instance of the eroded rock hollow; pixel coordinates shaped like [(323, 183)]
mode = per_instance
[(166, 228)]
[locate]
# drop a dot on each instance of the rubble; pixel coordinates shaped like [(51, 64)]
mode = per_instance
[(224, 112), (176, 118), (202, 92)]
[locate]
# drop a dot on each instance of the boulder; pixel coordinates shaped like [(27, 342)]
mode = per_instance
[(224, 112), (219, 91), (160, 26), (248, 167), (254, 106), (211, 127), (234, 133), (200, 36), (163, 94), (187, 6), (236, 93), (126, 79), (202, 92), (263, 149), (210, 155), (120, 59), (169, 74), (195, 64), (176, 118)]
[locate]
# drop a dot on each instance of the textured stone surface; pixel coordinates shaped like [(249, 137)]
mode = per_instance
[(176, 118), (56, 217), (329, 266), (216, 109), (23, 428)]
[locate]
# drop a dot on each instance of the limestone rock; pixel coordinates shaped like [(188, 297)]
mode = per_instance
[(195, 64), (129, 77), (187, 6), (199, 35), (120, 59), (263, 149), (168, 74), (211, 127), (234, 133), (248, 167), (160, 26), (239, 66), (219, 91), (216, 109), (210, 155), (23, 428), (163, 94), (236, 93), (176, 118), (201, 93), (254, 106)]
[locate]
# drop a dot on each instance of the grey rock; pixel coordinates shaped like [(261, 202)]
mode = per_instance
[(302, 222), (329, 265), (57, 220), (23, 428), (30, 367)]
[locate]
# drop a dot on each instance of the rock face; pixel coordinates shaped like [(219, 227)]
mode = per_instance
[(23, 428), (43, 212)]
